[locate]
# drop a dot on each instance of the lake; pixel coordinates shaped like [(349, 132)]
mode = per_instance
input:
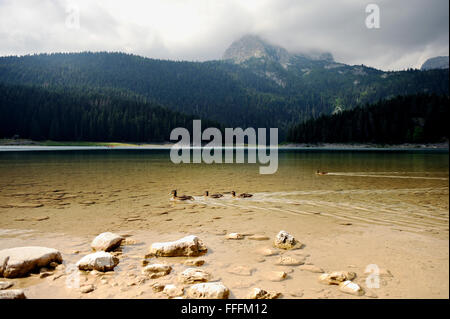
[(398, 197)]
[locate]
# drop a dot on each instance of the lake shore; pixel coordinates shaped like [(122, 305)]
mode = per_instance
[(19, 144)]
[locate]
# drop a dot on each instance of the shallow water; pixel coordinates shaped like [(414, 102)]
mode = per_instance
[(63, 199), (407, 188)]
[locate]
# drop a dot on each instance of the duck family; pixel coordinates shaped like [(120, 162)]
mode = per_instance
[(181, 197), (206, 194)]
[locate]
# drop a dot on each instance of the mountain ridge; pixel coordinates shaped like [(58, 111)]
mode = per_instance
[(254, 93)]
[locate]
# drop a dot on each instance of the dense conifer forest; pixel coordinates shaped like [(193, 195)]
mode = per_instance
[(419, 118)]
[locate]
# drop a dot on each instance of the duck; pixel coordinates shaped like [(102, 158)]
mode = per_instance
[(182, 197), (206, 194), (321, 173), (243, 195)]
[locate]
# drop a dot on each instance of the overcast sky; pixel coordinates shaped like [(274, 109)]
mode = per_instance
[(410, 30)]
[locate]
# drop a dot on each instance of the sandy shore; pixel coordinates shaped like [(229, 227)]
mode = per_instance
[(412, 264)]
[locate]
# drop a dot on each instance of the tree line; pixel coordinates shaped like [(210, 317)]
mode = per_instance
[(71, 115), (420, 118)]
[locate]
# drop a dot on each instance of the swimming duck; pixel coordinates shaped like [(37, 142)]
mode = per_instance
[(243, 195), (321, 173), (182, 197), (212, 195)]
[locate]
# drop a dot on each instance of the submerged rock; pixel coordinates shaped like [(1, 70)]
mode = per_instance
[(12, 294), (157, 287), (234, 236), (284, 240), (100, 261), (156, 270), (106, 241), (336, 277), (19, 261), (210, 290), (194, 275), (258, 293), (194, 262), (241, 270), (349, 287), (275, 275), (186, 246), (6, 284), (266, 251), (173, 291), (311, 268), (87, 289), (258, 237), (289, 261)]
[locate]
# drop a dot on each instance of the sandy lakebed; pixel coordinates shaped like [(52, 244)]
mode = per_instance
[(388, 209)]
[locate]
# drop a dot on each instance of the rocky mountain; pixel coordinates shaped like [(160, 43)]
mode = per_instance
[(252, 46), (439, 62)]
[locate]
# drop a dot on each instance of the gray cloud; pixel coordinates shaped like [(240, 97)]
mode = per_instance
[(411, 30)]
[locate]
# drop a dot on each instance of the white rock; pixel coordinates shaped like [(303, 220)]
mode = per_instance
[(234, 236), (187, 246), (106, 241), (210, 290), (19, 261), (349, 287), (100, 261), (173, 291), (284, 240), (156, 270), (194, 275), (258, 293), (12, 294), (336, 277)]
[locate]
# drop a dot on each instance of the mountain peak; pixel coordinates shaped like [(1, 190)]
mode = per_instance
[(439, 62), (252, 46)]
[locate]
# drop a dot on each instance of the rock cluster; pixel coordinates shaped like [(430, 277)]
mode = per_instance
[(192, 282)]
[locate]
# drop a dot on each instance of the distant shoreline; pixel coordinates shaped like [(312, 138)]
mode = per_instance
[(23, 144)]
